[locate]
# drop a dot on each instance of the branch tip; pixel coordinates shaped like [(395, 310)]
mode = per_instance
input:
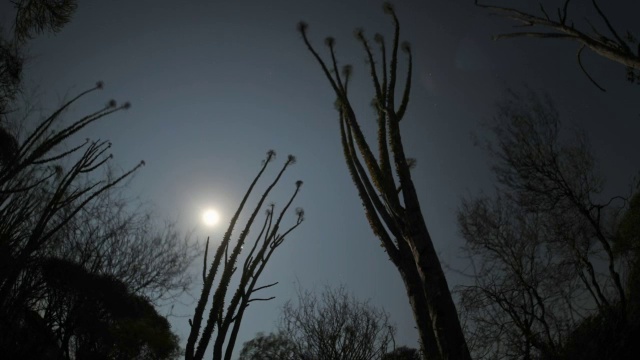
[(388, 8), (347, 70), (330, 41), (302, 27), (270, 155)]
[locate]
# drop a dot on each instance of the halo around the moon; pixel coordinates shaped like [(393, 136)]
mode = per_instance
[(210, 217)]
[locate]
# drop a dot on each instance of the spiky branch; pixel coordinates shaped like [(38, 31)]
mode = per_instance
[(270, 237), (38, 197)]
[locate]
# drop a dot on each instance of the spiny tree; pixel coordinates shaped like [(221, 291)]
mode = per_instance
[(617, 46), (58, 203), (228, 320), (391, 202), (39, 196), (43, 186)]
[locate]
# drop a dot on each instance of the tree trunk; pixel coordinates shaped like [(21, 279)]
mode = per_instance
[(444, 316), (418, 301)]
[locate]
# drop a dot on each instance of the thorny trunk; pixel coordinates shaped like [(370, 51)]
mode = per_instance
[(418, 301), (445, 324)]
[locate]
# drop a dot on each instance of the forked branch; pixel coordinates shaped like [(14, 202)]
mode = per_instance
[(613, 47)]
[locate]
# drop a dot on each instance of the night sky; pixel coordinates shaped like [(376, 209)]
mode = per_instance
[(214, 85)]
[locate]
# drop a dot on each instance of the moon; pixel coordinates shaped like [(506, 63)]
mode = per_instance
[(210, 217)]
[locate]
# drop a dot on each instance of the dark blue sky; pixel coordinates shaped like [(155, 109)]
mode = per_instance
[(214, 84)]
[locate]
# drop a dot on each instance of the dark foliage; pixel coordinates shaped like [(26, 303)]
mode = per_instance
[(268, 347), (402, 353)]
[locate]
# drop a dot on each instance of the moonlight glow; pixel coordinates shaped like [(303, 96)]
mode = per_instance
[(210, 217)]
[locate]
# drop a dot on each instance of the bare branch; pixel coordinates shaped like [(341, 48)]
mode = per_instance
[(579, 56), (616, 49)]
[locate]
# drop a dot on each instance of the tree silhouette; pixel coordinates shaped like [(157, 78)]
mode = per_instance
[(543, 248), (55, 202), (82, 315), (58, 202), (228, 320), (115, 236), (268, 347), (335, 326), (402, 353), (98, 317), (391, 202), (626, 245), (39, 196), (32, 17)]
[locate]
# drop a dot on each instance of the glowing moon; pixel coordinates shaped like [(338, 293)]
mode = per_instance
[(210, 217)]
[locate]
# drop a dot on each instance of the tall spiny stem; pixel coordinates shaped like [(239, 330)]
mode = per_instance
[(222, 318)]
